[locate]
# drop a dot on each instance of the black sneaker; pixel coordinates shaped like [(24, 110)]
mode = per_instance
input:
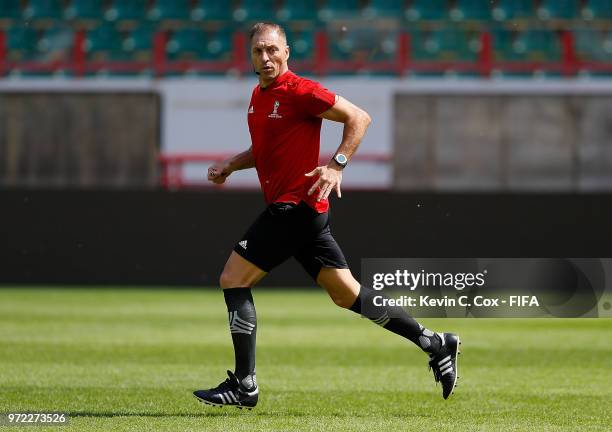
[(230, 392), (444, 363)]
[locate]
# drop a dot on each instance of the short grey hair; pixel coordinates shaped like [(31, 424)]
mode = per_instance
[(261, 27)]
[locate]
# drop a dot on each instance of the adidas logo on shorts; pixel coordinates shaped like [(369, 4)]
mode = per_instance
[(243, 243)]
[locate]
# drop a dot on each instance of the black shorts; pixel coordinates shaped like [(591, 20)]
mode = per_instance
[(286, 229)]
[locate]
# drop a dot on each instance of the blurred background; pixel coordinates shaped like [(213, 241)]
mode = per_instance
[(491, 133)]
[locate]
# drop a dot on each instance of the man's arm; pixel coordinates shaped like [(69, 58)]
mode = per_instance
[(219, 172), (356, 121)]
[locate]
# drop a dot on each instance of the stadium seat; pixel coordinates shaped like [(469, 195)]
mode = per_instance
[(169, 10), (383, 45), (298, 10), (211, 10), (218, 44), (21, 43), (185, 43), (256, 10), (139, 42), (384, 8), (542, 45), (471, 10), (427, 10), (56, 42), (126, 10), (333, 9), (598, 10), (104, 43), (585, 44), (606, 45), (528, 45), (512, 10), (84, 10), (366, 44), (10, 10), (445, 45), (343, 45), (197, 44), (301, 44), (593, 45), (25, 44), (43, 10), (558, 9)]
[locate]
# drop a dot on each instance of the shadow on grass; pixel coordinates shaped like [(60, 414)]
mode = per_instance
[(106, 414), (227, 412), (208, 412)]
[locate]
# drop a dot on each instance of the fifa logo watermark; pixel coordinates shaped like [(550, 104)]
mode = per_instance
[(275, 113)]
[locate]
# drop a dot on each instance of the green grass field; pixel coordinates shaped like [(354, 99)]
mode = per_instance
[(128, 359)]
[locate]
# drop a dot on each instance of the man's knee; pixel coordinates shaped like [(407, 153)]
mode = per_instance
[(344, 300), (239, 273), (341, 286), (229, 279), (225, 280)]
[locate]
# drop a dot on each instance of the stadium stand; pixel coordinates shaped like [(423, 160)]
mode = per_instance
[(558, 9), (104, 43), (512, 10), (384, 9), (326, 36), (43, 10), (22, 43), (471, 10), (10, 11), (130, 11), (427, 10), (84, 10), (211, 11), (597, 9), (298, 10), (169, 10)]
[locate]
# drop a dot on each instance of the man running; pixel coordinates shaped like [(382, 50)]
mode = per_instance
[(284, 117)]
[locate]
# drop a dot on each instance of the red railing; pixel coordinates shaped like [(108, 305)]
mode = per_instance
[(320, 63), (3, 64), (172, 166)]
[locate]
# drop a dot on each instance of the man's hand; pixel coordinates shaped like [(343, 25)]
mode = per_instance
[(329, 180), (218, 172)]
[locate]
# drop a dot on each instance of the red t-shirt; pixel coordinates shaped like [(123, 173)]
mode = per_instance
[(285, 134)]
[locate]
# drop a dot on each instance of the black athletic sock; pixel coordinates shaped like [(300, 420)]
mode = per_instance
[(243, 325), (395, 319)]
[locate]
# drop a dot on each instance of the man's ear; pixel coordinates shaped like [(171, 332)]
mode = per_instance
[(288, 51)]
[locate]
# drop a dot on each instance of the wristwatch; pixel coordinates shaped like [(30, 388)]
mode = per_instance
[(341, 160)]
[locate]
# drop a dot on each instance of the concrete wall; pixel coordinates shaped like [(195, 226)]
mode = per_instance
[(65, 139), (503, 142)]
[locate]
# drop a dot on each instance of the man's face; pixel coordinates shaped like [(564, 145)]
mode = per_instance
[(269, 53)]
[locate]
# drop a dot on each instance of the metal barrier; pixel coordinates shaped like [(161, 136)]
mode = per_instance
[(172, 167)]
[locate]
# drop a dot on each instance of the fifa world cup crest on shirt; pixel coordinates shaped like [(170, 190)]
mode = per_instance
[(275, 113)]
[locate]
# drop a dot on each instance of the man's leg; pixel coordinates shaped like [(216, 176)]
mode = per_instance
[(240, 389), (265, 245), (324, 261), (237, 278), (348, 293)]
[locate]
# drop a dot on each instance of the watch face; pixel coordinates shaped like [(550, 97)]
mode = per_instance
[(341, 159)]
